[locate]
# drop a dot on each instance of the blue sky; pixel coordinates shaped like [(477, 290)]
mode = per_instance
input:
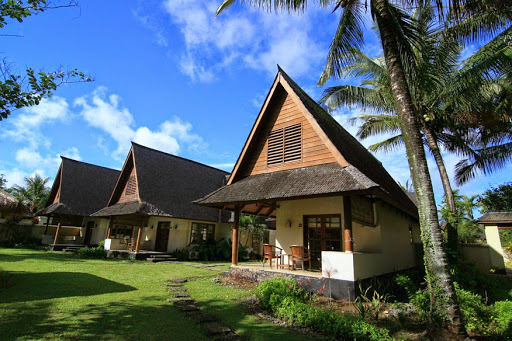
[(169, 75)]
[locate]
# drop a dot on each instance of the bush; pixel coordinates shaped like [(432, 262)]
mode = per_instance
[(91, 253), (286, 300), (502, 320)]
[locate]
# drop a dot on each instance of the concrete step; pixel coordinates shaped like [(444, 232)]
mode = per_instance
[(159, 259)]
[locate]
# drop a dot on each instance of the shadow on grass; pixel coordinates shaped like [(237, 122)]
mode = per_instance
[(36, 254), (31, 286), (149, 319)]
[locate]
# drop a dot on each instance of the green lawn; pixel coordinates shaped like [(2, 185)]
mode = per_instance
[(54, 296)]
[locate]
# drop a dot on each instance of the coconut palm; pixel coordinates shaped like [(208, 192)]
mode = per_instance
[(397, 37), (35, 193)]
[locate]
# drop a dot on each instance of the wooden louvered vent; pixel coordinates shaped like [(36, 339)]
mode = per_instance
[(131, 186), (285, 144)]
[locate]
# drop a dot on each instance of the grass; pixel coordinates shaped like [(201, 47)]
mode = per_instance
[(54, 296)]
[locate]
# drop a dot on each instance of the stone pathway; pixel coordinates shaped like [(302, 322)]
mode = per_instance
[(210, 324)]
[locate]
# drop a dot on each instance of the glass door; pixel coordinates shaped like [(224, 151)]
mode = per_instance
[(322, 233)]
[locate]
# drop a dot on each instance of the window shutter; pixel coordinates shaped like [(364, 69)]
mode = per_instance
[(285, 144)]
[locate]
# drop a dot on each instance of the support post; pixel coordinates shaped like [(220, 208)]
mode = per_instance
[(139, 235), (347, 219), (47, 222), (56, 234), (109, 229), (234, 250)]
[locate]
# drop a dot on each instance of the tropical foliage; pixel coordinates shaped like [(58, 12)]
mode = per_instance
[(35, 193), (496, 199), (18, 91)]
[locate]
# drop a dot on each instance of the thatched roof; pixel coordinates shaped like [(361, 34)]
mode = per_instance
[(80, 189), (498, 217), (329, 179), (10, 205), (167, 185)]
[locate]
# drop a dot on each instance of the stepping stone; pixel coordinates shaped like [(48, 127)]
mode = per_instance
[(180, 300), (214, 328), (176, 288), (178, 280), (232, 337), (200, 317), (181, 294), (177, 285)]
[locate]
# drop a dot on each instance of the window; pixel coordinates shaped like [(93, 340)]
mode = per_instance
[(285, 144), (362, 210), (202, 233), (121, 232)]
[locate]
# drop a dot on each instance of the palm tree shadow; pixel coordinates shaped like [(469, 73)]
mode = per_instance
[(31, 286)]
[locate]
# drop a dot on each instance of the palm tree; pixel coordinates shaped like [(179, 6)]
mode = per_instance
[(35, 193), (397, 37), (253, 225)]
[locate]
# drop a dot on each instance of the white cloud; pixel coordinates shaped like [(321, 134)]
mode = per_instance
[(105, 112), (27, 126), (152, 24), (258, 39), (16, 176)]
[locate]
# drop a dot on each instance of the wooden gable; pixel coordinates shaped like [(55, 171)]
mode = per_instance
[(127, 188), (54, 196), (272, 145)]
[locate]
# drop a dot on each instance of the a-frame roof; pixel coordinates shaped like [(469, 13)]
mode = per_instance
[(355, 169), (79, 188), (166, 186)]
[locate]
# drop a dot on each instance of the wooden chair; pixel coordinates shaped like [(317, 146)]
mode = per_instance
[(302, 254), (271, 252)]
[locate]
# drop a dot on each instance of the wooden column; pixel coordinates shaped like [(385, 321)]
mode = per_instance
[(236, 228), (347, 219), (47, 222), (109, 229), (56, 234), (139, 235)]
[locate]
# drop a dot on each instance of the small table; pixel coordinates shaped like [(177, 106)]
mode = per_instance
[(283, 265)]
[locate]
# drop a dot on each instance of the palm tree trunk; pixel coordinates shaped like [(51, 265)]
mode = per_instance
[(453, 242), (436, 266)]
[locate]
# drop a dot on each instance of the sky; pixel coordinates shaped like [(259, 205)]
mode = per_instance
[(170, 75)]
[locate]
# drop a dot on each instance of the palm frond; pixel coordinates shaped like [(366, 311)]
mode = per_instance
[(349, 95), (348, 38), (389, 145)]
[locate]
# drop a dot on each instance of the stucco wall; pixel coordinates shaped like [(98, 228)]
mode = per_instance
[(378, 250), (478, 254), (99, 231)]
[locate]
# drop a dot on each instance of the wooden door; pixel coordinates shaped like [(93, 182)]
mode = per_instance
[(162, 236), (88, 233), (322, 233)]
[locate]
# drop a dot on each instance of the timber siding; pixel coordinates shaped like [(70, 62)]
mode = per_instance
[(285, 112), (130, 190)]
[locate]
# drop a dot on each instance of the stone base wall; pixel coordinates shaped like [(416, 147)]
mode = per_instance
[(328, 287)]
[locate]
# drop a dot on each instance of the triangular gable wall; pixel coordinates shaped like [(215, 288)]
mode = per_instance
[(283, 109), (127, 186), (55, 191)]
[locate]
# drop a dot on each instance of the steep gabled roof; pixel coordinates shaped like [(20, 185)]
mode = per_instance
[(347, 150), (167, 185), (80, 188)]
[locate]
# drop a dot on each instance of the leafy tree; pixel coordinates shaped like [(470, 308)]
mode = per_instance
[(35, 193), (467, 229), (496, 199), (19, 91), (397, 38), (253, 225)]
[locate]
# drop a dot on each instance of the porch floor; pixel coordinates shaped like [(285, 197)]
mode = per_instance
[(257, 267)]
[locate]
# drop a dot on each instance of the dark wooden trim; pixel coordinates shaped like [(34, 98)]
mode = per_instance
[(56, 234), (347, 222), (236, 227)]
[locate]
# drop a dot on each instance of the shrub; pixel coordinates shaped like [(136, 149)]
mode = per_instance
[(92, 253), (271, 292), (502, 320), (286, 300)]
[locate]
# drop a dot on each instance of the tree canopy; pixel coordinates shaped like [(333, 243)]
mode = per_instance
[(23, 90)]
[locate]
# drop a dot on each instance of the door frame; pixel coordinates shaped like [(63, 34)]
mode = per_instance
[(160, 227), (305, 231)]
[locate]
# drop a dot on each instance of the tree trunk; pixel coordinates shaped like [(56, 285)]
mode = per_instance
[(436, 267), (453, 240)]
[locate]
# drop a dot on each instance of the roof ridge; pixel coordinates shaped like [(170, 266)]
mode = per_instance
[(86, 163), (177, 157)]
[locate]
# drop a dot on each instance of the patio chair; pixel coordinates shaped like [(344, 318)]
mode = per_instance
[(300, 254), (271, 252)]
